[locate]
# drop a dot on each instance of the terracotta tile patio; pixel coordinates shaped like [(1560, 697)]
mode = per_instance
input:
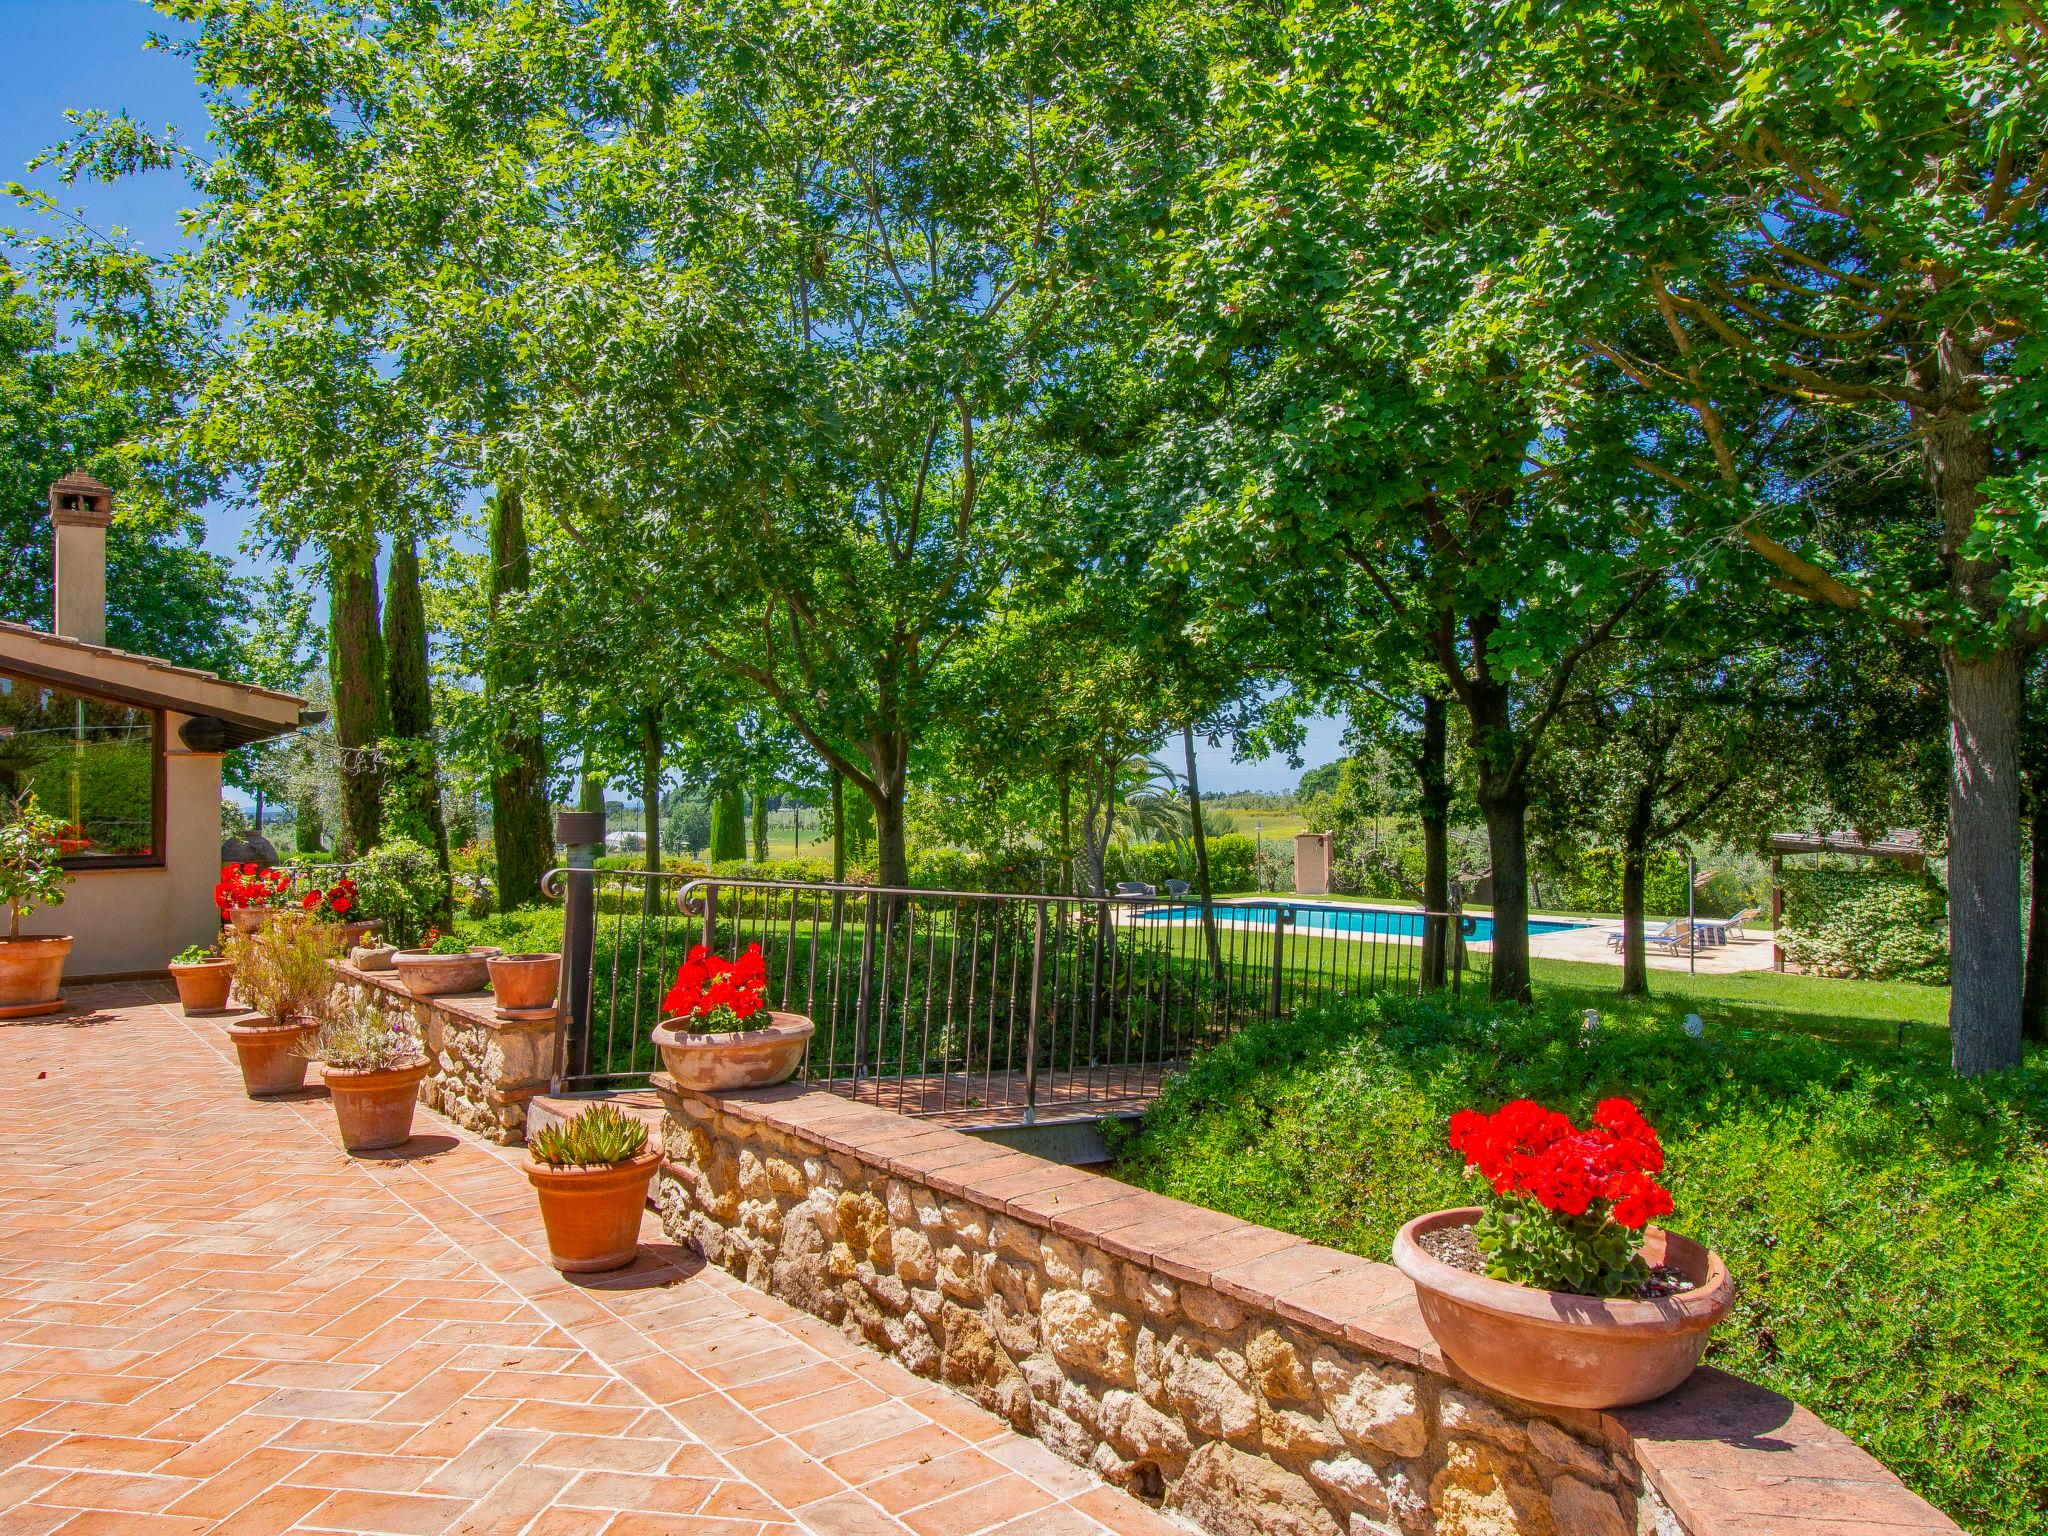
[(211, 1319)]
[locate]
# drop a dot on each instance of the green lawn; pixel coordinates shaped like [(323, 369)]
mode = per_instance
[(1882, 1220)]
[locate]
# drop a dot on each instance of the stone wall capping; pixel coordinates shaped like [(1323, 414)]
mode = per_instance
[(1729, 1455), (1265, 1384), (1006, 1187), (1195, 1260), (1055, 1201)]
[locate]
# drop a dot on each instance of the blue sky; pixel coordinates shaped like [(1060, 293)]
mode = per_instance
[(90, 53)]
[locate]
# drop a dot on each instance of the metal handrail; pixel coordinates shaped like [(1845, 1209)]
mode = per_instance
[(947, 998)]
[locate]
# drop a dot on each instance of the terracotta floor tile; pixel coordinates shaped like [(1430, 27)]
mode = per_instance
[(297, 1340)]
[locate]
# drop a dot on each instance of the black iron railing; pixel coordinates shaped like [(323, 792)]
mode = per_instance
[(939, 1001)]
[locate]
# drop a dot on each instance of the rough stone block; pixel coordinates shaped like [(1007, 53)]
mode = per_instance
[(1228, 1493), (1089, 1338)]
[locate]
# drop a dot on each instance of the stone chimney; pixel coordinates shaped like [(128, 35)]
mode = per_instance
[(80, 509)]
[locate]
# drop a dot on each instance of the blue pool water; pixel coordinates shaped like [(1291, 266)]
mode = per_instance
[(1359, 921)]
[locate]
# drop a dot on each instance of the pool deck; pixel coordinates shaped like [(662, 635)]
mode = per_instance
[(1585, 942)]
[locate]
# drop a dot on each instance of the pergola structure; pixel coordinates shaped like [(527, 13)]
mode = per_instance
[(1902, 845)]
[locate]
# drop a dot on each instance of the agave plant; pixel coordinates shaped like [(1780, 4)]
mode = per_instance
[(603, 1133)]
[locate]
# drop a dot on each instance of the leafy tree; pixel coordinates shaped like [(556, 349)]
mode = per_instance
[(1758, 210)]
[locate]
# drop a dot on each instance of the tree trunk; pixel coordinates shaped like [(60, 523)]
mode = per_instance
[(1984, 862), (1066, 830), (355, 659), (412, 765), (760, 818), (892, 861), (1506, 814), (521, 835), (1635, 855), (590, 788), (1635, 964), (1187, 738), (1435, 813), (1986, 702), (2034, 1000), (838, 828), (650, 793)]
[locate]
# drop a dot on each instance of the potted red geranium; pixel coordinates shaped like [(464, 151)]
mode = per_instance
[(1558, 1289), (720, 1033), (248, 895), (332, 904)]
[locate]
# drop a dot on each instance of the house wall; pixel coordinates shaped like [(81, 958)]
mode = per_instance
[(125, 922)]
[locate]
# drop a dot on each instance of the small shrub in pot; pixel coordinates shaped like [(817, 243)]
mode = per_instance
[(282, 975), (32, 875), (202, 977)]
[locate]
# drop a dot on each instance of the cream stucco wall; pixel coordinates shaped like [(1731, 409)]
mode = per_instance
[(128, 921)]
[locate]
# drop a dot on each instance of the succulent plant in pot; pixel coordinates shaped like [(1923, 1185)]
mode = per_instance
[(31, 875), (373, 1065), (719, 1033), (284, 976), (591, 1173), (1557, 1289), (202, 976)]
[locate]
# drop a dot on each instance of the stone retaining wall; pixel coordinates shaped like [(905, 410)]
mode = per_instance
[(1256, 1384), (482, 1070)]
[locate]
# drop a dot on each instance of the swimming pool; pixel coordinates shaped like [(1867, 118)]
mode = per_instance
[(1361, 922)]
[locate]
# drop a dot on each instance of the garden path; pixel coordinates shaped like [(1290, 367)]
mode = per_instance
[(213, 1320)]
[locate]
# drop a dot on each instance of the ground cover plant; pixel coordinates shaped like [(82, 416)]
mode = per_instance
[(1880, 1217)]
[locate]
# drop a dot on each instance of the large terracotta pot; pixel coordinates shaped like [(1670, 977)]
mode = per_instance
[(374, 1109), (354, 934), (525, 983), (593, 1213), (1563, 1350), (251, 919), (748, 1058), (32, 975), (203, 985), (427, 975), (267, 1050)]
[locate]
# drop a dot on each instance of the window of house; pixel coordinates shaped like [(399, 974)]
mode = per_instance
[(95, 764)]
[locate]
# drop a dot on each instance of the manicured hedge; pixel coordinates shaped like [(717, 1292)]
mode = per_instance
[(1881, 1218), (1877, 924)]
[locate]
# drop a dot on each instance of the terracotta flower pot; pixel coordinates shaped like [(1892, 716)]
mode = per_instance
[(374, 1109), (524, 982), (747, 1058), (1563, 1350), (203, 985), (593, 1213), (428, 975), (32, 975), (372, 957), (267, 1051), (251, 919)]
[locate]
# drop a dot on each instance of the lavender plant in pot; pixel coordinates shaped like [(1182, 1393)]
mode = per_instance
[(373, 1065), (1558, 1289), (31, 876)]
